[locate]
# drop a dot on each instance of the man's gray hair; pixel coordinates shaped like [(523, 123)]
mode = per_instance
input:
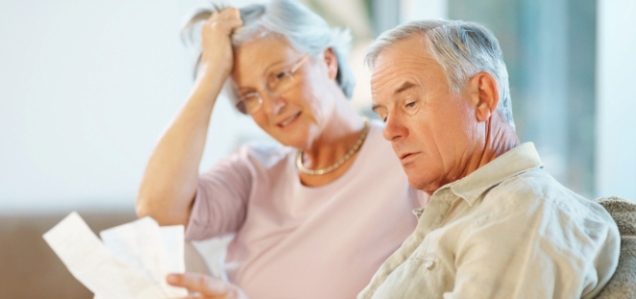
[(305, 30), (461, 48)]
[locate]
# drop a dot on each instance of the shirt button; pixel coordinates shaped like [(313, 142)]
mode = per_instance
[(429, 263), (418, 212)]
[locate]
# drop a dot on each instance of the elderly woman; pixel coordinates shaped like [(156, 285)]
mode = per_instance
[(314, 217)]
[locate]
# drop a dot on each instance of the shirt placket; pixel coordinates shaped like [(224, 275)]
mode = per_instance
[(428, 218)]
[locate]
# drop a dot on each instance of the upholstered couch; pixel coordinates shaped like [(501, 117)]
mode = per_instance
[(623, 283), (29, 269)]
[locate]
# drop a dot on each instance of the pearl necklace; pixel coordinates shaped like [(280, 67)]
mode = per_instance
[(352, 151)]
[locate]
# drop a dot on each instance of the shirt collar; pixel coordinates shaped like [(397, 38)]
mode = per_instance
[(513, 162)]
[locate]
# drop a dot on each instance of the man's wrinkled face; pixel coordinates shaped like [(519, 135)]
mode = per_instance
[(430, 127)]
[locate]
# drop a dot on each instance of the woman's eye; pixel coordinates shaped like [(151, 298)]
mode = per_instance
[(250, 97), (281, 75)]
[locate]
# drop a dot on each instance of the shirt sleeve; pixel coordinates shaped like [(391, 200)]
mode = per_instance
[(534, 250), (221, 197)]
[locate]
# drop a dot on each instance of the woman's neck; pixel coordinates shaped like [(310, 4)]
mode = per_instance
[(341, 133)]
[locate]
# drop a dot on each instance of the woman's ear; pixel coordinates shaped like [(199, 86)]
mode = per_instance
[(331, 61), (485, 95)]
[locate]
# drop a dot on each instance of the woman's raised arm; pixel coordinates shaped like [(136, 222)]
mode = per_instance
[(169, 184)]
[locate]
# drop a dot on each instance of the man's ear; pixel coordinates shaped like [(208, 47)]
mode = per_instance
[(331, 61), (484, 95)]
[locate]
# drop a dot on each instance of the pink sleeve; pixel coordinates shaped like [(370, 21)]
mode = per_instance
[(221, 198)]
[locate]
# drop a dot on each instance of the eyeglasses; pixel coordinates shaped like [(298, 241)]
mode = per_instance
[(278, 82)]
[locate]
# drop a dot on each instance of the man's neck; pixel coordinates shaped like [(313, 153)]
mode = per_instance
[(500, 137)]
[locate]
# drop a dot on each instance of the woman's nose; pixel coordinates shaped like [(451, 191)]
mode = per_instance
[(274, 104)]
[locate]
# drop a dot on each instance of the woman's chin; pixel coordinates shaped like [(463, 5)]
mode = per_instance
[(297, 143), (296, 137)]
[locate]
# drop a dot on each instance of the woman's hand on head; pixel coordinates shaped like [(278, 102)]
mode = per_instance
[(216, 43), (202, 286)]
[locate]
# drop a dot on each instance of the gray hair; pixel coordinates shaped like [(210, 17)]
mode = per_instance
[(461, 48), (305, 30)]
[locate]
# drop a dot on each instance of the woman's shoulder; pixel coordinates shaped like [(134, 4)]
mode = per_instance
[(264, 154), (377, 153), (376, 141)]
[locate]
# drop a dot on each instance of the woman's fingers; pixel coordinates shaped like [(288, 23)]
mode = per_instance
[(206, 286), (230, 14), (216, 41), (228, 19)]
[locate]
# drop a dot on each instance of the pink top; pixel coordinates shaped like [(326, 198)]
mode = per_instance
[(294, 241)]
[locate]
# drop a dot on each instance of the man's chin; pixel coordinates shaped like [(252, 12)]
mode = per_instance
[(416, 182), (421, 183)]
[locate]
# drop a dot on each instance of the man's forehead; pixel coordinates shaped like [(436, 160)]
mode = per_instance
[(408, 52), (415, 45), (394, 74), (401, 65), (384, 69)]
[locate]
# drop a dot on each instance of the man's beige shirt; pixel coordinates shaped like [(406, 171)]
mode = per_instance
[(507, 230)]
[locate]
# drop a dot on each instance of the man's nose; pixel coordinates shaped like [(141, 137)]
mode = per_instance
[(394, 129)]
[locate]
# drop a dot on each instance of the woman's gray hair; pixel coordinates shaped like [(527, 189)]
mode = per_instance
[(461, 48), (305, 30)]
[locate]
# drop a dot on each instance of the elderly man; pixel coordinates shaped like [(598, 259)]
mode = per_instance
[(497, 224)]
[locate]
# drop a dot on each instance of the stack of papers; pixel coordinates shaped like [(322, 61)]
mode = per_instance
[(131, 260)]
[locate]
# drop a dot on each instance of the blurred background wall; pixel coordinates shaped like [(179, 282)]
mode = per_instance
[(87, 87)]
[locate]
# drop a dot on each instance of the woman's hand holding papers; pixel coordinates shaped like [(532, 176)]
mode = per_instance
[(201, 286)]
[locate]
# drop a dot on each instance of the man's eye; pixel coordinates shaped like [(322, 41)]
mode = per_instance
[(410, 104), (380, 115)]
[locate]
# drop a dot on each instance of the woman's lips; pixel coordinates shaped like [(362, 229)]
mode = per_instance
[(287, 121)]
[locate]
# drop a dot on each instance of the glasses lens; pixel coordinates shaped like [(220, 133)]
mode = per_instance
[(240, 106), (277, 83), (249, 104), (282, 81)]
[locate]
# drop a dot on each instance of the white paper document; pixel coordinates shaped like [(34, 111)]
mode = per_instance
[(132, 262)]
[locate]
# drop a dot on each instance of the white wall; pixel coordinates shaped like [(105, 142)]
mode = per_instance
[(411, 10), (616, 106), (86, 89)]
